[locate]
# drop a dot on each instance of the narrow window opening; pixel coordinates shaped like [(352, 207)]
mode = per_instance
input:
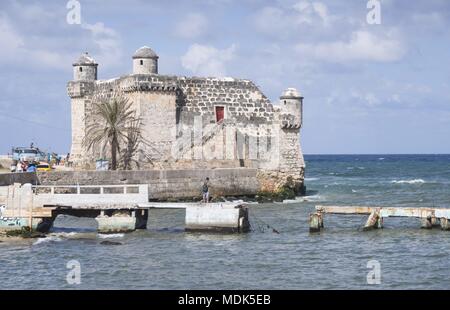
[(220, 114), (81, 69), (142, 62)]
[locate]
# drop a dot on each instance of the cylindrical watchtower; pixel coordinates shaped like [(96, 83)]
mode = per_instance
[(291, 102), (85, 68), (145, 61)]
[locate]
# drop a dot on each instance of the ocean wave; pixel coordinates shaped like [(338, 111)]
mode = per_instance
[(106, 236), (47, 239), (415, 181), (57, 237), (66, 234), (312, 198), (312, 179)]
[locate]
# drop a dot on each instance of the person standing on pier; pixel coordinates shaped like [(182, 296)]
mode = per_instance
[(205, 191)]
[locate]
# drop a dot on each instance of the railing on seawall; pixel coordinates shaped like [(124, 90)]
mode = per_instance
[(89, 194)]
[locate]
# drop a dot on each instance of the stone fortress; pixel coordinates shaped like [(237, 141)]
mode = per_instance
[(196, 122)]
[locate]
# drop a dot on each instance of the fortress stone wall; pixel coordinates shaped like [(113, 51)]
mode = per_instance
[(195, 122)]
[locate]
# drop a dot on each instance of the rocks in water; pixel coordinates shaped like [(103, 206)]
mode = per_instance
[(284, 193), (106, 242), (25, 233)]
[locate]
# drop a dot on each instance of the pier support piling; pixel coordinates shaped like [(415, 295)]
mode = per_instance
[(141, 219), (445, 225), (374, 221), (426, 222), (435, 222), (315, 222), (120, 221)]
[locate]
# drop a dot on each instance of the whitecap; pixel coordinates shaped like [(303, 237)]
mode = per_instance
[(381, 158), (66, 234), (105, 236), (288, 201), (312, 179), (312, 198), (415, 181), (47, 239)]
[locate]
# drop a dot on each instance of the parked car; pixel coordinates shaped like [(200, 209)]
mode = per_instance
[(43, 167)]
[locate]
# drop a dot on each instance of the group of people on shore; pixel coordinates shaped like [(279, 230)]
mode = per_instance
[(25, 166)]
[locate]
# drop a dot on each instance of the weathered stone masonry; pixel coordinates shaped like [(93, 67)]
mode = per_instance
[(251, 131)]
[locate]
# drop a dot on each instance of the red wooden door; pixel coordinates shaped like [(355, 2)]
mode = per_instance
[(220, 113)]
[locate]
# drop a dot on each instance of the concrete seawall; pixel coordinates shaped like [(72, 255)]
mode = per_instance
[(162, 184)]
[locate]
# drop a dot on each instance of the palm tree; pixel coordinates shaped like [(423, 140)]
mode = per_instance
[(113, 124), (133, 141)]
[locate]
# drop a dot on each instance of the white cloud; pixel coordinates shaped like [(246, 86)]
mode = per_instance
[(362, 46), (193, 26), (271, 20), (15, 50), (207, 60), (284, 21), (9, 39), (23, 46), (108, 43), (309, 12), (427, 20)]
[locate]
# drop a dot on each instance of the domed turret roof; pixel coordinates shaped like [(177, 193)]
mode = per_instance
[(291, 93), (85, 59), (145, 52)]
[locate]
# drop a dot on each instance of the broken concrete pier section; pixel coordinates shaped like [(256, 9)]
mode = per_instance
[(429, 217)]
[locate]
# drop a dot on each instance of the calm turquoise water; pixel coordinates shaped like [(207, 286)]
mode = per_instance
[(165, 257)]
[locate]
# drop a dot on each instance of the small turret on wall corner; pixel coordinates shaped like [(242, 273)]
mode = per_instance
[(291, 102), (85, 68), (145, 61)]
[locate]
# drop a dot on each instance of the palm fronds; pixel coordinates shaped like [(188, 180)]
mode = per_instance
[(113, 123)]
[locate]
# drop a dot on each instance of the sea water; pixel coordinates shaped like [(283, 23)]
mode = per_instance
[(166, 257)]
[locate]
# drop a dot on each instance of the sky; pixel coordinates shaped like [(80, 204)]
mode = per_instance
[(368, 88)]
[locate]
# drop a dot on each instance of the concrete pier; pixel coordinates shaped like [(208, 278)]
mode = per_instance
[(429, 217), (116, 208), (217, 219)]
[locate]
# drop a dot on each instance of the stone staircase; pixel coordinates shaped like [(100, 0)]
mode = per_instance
[(186, 143)]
